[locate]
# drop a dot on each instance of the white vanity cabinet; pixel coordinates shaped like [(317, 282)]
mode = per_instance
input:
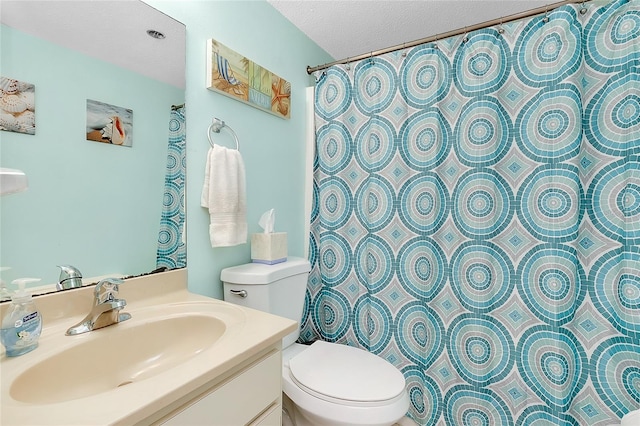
[(250, 395)]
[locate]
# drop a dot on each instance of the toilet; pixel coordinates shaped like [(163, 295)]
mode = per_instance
[(323, 383)]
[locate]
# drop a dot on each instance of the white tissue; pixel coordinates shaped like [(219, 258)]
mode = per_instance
[(267, 221)]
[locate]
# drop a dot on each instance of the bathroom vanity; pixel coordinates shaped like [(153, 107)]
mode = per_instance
[(249, 395), (182, 359)]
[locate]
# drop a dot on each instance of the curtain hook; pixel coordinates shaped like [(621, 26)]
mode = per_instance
[(348, 67), (435, 42), (546, 14), (404, 50), (500, 27), (465, 37), (371, 57), (583, 8)]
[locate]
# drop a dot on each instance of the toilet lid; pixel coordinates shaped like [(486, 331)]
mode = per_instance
[(346, 373)]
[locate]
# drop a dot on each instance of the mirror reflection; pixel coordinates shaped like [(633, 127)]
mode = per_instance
[(102, 149)]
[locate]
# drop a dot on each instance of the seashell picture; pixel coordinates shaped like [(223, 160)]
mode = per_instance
[(17, 106), (109, 123)]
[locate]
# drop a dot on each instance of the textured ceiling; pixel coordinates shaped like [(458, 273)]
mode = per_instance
[(112, 30), (344, 28), (348, 28)]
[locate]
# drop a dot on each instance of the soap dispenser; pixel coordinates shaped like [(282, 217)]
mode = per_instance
[(5, 294), (22, 325)]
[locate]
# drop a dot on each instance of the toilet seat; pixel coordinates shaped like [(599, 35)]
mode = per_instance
[(346, 375), (337, 411)]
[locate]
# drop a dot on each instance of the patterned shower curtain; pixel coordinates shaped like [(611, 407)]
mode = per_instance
[(476, 218), (172, 251)]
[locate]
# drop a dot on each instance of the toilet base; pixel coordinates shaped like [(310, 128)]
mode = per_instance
[(298, 418), (287, 411), (293, 415), (290, 414)]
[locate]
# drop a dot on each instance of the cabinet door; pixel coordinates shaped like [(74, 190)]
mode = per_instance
[(238, 400)]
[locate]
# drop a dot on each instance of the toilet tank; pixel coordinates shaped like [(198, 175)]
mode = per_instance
[(277, 289)]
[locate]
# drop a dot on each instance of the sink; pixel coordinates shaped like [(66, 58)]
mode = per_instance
[(118, 356), (176, 345)]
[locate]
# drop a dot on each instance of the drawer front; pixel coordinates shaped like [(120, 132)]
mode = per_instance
[(273, 417), (238, 400)]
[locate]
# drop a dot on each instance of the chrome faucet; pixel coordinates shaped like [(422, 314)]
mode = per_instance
[(70, 277), (106, 308)]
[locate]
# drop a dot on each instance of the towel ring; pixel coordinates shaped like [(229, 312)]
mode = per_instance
[(218, 125)]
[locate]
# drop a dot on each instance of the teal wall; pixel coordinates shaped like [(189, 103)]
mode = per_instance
[(273, 149), (93, 205)]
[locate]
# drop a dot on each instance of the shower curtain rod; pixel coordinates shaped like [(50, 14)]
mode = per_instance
[(500, 21)]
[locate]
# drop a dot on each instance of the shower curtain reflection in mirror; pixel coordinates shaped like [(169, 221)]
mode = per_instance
[(172, 249)]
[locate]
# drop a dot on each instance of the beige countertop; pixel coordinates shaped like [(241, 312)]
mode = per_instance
[(248, 332)]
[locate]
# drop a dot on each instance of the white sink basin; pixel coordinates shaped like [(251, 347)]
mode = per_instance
[(116, 356)]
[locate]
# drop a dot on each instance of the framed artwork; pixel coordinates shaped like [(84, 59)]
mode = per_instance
[(17, 106), (110, 124), (233, 75)]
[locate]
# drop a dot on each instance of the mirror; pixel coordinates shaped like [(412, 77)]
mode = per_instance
[(94, 205)]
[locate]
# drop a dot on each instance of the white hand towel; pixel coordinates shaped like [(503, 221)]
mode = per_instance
[(224, 194)]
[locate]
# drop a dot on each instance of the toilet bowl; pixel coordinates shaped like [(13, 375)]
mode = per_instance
[(336, 385), (323, 383)]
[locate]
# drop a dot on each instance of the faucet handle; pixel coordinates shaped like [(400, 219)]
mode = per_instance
[(107, 290)]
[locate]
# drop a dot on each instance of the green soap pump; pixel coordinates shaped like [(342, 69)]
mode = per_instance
[(22, 325)]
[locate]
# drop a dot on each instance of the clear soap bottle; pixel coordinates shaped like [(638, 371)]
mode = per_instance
[(22, 325), (5, 294)]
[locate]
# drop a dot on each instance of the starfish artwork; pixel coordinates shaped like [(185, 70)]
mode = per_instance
[(233, 75), (281, 96)]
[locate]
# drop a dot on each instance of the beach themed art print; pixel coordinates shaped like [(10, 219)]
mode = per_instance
[(17, 106), (233, 75), (108, 123)]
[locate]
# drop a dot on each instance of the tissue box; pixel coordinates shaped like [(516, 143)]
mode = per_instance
[(269, 248)]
